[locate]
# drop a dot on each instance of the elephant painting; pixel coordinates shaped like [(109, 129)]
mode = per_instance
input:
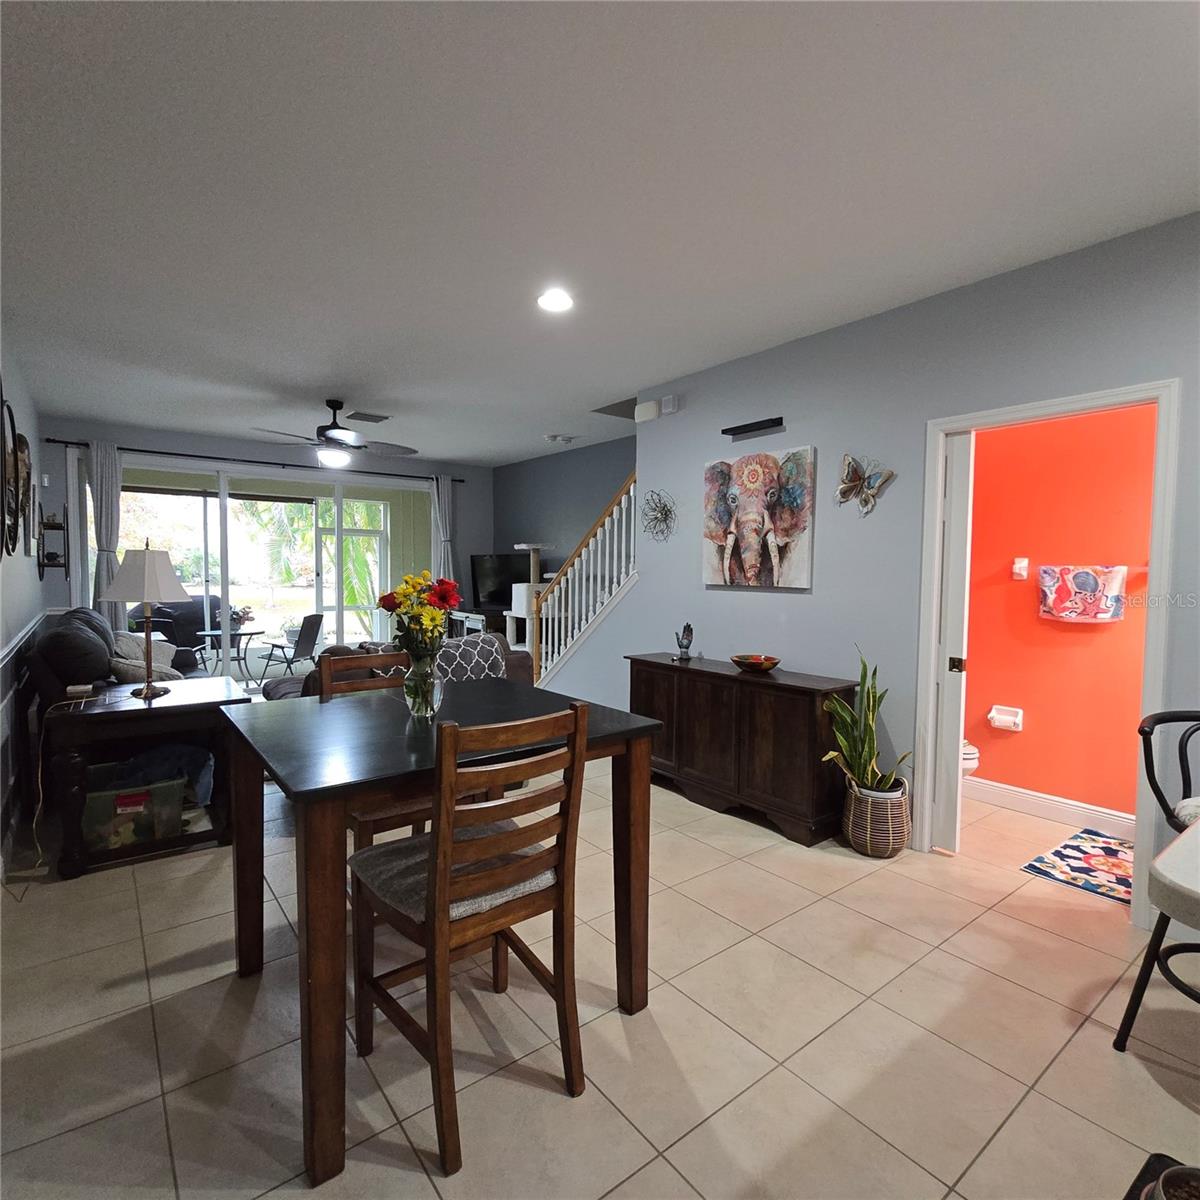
[(758, 520)]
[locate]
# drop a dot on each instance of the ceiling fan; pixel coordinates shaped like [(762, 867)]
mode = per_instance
[(337, 444)]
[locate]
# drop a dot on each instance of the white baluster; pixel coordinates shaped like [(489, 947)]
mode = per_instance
[(573, 623), (602, 567), (623, 539), (632, 530), (606, 588), (589, 605), (624, 536)]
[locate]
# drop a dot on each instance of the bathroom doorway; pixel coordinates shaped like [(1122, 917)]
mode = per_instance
[(1049, 702)]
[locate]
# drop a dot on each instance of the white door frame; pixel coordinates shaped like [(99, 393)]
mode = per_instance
[(1164, 394)]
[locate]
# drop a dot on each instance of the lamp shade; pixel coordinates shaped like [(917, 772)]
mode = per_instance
[(146, 576)]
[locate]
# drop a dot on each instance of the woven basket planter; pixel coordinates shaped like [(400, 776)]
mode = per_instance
[(877, 824)]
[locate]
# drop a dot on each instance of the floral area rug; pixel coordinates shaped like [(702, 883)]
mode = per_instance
[(1092, 861)]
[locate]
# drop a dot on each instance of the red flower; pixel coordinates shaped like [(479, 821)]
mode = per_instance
[(444, 594), (388, 601)]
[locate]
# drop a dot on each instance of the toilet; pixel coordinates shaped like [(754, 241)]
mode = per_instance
[(970, 759)]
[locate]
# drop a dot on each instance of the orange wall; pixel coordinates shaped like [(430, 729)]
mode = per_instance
[(1072, 490)]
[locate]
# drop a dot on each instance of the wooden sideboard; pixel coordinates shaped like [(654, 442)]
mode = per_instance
[(731, 738)]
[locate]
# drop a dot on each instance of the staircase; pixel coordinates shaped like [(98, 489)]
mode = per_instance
[(595, 576)]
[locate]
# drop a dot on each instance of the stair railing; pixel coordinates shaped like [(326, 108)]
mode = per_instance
[(587, 580)]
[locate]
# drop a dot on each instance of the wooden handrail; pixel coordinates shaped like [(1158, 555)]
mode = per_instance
[(535, 641), (560, 574)]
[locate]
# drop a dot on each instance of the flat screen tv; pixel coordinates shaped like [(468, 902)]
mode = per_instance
[(493, 576)]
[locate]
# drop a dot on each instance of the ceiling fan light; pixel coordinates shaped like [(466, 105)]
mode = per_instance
[(332, 456), (339, 433)]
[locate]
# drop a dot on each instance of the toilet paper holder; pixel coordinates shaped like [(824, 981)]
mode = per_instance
[(1001, 716)]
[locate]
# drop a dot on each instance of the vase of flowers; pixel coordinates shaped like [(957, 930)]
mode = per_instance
[(239, 616), (420, 605)]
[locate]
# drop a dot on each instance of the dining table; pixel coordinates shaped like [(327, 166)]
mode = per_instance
[(364, 752)]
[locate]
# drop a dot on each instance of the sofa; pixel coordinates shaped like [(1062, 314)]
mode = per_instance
[(80, 648), (476, 656)]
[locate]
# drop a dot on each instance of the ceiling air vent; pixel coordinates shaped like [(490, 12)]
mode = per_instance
[(370, 418)]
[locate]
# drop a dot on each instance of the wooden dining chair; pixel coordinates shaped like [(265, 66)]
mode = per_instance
[(461, 888), (343, 673)]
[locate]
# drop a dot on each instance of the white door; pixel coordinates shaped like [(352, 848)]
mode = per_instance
[(951, 680)]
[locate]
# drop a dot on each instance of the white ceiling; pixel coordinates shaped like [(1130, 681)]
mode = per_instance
[(217, 214)]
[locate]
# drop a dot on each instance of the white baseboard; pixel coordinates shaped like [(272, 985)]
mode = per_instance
[(1052, 808)]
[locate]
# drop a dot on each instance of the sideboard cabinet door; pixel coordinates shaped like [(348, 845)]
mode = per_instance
[(706, 741), (652, 694), (776, 734)]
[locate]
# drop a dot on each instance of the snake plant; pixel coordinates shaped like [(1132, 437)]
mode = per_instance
[(854, 729)]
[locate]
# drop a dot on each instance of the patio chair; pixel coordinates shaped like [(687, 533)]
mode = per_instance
[(289, 653)]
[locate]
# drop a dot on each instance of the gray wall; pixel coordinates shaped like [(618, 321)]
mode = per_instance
[(556, 498), (22, 603), (1120, 313), (22, 596), (472, 498)]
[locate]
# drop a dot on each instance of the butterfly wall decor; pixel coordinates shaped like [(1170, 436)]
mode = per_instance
[(863, 481)]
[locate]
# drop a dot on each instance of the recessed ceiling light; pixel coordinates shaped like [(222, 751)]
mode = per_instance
[(555, 300), (331, 456)]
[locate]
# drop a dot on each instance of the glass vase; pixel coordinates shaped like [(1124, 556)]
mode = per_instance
[(423, 685)]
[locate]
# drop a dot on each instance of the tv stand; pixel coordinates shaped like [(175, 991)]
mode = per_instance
[(475, 620)]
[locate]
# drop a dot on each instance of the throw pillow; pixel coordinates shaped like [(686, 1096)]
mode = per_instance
[(74, 653), (131, 647), (91, 619), (128, 645), (126, 670), (476, 656)]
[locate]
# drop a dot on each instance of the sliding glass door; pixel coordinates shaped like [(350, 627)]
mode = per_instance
[(259, 553)]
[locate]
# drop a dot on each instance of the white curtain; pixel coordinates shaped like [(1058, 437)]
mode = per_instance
[(443, 512), (104, 479)]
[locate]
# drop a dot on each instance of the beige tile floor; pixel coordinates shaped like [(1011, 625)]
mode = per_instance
[(820, 1025)]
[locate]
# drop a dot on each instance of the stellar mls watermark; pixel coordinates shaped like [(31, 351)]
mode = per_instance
[(1164, 600)]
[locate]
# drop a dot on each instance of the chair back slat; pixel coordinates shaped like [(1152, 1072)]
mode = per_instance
[(475, 850), (465, 868), (479, 779), (469, 884), (533, 731), (333, 665), (488, 811)]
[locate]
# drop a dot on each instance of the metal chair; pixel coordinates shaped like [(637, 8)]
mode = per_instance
[(288, 653), (1174, 883), (1146, 728)]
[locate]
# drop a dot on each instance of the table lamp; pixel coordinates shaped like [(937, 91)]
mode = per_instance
[(146, 577)]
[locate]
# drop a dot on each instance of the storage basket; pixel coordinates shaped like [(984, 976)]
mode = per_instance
[(877, 824)]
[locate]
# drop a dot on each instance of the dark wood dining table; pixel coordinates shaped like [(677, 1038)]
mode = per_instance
[(365, 751)]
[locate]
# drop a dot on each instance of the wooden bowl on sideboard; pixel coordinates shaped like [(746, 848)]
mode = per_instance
[(754, 662)]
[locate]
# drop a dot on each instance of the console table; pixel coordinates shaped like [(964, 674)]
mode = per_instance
[(114, 723), (732, 738)]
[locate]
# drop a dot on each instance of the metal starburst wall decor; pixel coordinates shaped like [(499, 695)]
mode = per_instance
[(658, 515)]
